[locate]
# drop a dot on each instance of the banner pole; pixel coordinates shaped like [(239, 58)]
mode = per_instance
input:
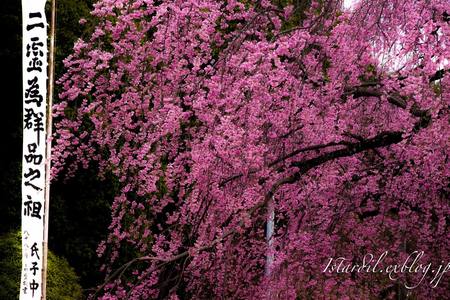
[(51, 79)]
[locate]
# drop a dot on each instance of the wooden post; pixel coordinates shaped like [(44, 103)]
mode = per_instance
[(51, 79)]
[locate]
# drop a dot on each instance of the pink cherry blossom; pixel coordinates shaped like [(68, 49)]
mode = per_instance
[(204, 111)]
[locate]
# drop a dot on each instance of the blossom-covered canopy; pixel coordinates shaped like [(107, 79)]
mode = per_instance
[(208, 111)]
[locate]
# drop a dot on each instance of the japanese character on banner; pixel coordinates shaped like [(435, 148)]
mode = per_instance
[(32, 208), (35, 254), (30, 176), (34, 121), (37, 23), (31, 157), (35, 48), (34, 67), (32, 94)]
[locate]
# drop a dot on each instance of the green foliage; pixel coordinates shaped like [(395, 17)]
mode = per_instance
[(10, 265), (68, 29), (298, 13), (62, 280)]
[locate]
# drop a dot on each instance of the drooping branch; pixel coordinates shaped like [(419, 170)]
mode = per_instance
[(381, 140), (309, 148), (439, 75), (365, 90), (285, 157), (119, 272), (393, 97), (369, 89), (372, 89)]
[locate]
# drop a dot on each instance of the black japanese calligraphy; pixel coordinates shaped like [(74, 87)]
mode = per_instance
[(31, 157), (33, 173), (27, 183), (32, 94), (34, 111), (34, 25), (35, 65), (34, 121), (33, 286), (32, 208), (34, 250), (35, 48), (34, 268)]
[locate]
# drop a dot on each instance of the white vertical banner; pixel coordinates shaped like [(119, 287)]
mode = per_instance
[(34, 61)]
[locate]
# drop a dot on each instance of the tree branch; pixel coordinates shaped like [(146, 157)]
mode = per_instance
[(381, 140)]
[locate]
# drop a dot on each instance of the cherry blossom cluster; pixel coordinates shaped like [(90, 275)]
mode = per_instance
[(207, 111)]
